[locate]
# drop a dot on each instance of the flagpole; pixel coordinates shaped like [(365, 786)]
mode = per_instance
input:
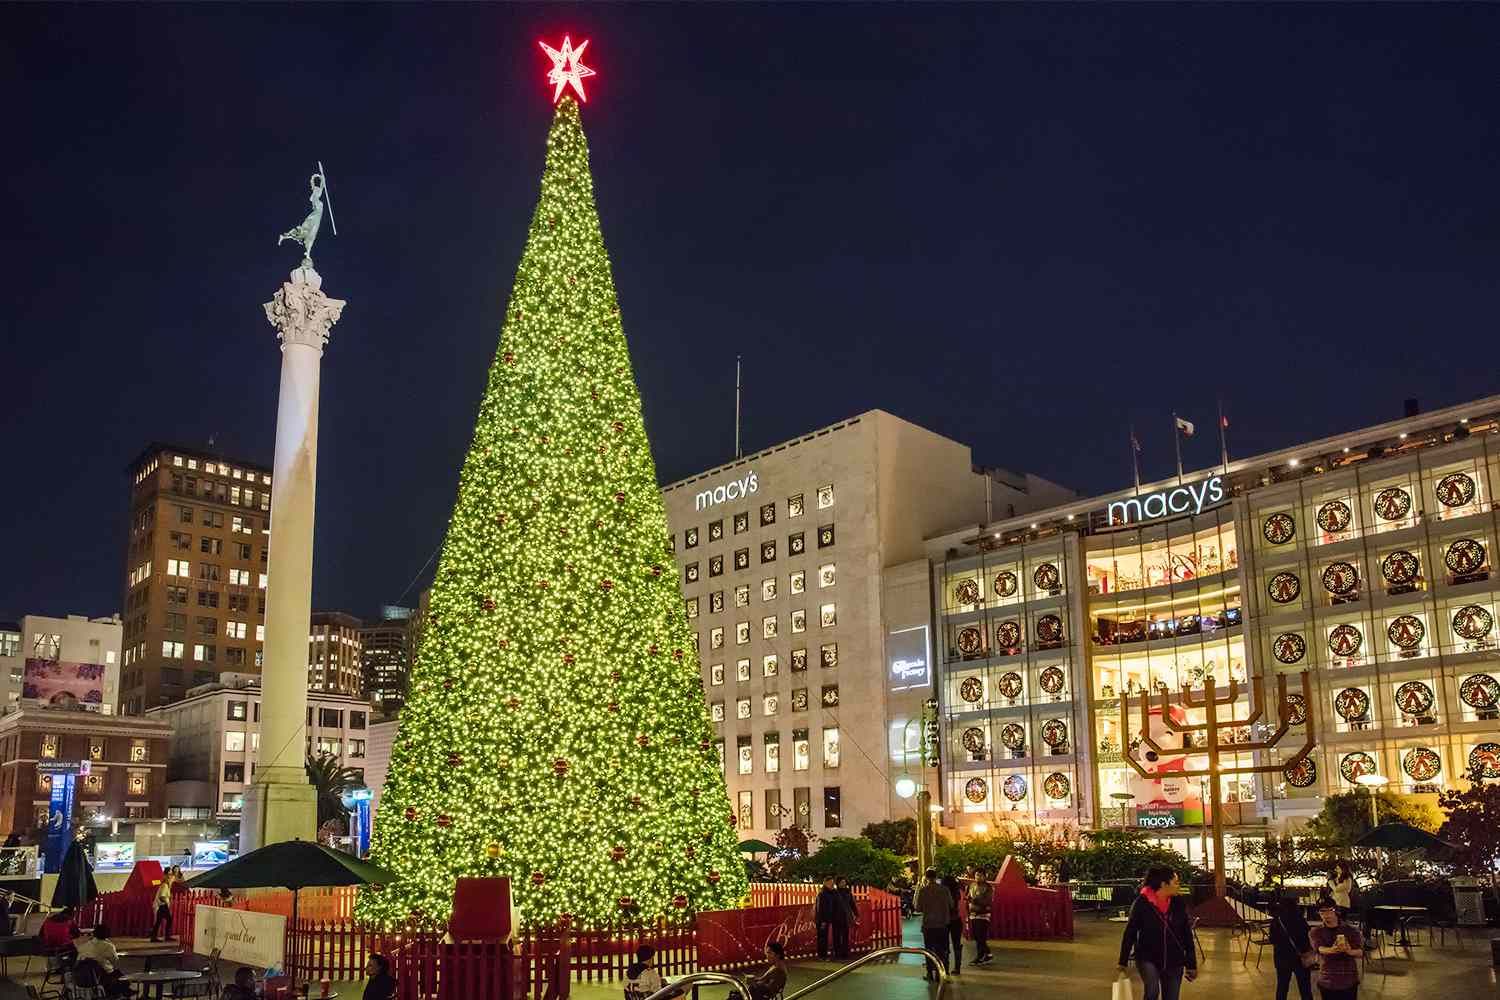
[(1223, 439), (1135, 459), (1177, 443)]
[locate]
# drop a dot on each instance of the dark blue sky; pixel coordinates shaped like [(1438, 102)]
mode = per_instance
[(1022, 226)]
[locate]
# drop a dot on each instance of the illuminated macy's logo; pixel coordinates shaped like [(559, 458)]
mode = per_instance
[(1189, 499)]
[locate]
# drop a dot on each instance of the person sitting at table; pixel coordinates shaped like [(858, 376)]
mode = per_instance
[(58, 932), (101, 950), (243, 987), (382, 985)]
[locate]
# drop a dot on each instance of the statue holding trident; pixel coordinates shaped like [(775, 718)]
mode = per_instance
[(307, 233)]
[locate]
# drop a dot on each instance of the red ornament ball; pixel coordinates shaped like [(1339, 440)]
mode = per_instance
[(607, 584), (513, 704), (733, 819), (656, 571), (626, 903), (680, 901), (537, 878), (676, 654), (692, 852), (560, 767), (704, 745), (713, 878), (410, 814), (643, 740), (543, 584), (504, 643), (620, 497), (617, 854), (614, 706), (653, 649), (568, 658), (489, 604), (444, 822), (454, 760)]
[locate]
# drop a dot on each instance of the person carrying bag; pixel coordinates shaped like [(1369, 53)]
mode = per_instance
[(1160, 936)]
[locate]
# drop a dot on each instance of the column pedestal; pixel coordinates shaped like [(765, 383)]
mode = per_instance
[(279, 810)]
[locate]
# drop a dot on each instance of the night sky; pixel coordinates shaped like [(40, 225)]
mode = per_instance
[(1021, 226)]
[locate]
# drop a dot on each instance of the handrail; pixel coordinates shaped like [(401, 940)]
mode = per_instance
[(693, 979), (862, 960)]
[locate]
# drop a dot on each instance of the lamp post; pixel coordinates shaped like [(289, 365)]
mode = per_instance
[(1123, 798), (906, 788), (1372, 782)]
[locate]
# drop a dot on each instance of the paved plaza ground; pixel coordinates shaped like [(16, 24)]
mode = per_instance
[(1083, 969)]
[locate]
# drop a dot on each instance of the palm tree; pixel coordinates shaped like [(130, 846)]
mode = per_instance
[(331, 779)]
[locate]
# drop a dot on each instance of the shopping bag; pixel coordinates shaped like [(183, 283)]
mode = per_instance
[(1122, 990)]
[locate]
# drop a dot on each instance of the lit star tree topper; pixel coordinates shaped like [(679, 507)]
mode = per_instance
[(566, 70)]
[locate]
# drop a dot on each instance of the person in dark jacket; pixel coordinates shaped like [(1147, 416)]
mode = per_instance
[(382, 985), (936, 905), (955, 925), (1291, 947), (831, 914), (1160, 935), (846, 893), (981, 901)]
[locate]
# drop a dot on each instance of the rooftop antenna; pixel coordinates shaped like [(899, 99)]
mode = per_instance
[(738, 453)]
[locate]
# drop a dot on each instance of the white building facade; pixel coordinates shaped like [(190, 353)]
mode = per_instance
[(73, 662)]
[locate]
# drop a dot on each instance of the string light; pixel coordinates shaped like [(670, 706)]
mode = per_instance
[(556, 730)]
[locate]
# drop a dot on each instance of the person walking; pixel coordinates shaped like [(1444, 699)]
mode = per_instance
[(981, 901), (163, 907), (1340, 947), (1342, 887), (955, 925), (936, 904), (1291, 948), (828, 915), (1160, 936), (851, 912)]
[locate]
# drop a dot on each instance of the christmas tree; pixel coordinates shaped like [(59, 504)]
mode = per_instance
[(556, 730)]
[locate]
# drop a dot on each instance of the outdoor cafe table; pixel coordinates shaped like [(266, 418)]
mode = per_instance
[(1404, 914), (166, 949), (159, 979)]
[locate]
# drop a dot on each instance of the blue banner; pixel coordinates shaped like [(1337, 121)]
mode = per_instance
[(59, 821), (359, 827)]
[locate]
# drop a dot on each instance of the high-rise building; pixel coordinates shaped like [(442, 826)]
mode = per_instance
[(335, 658), (388, 648), (1362, 561), (195, 572), (815, 659), (71, 662)]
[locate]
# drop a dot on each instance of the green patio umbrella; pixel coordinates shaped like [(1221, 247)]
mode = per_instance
[(1402, 837), (753, 846)]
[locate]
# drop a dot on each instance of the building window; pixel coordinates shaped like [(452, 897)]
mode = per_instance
[(235, 630), (234, 741), (235, 656), (239, 577), (768, 589), (796, 544), (768, 551), (716, 674), (794, 506), (741, 633), (93, 782), (260, 633), (769, 704), (49, 747), (716, 565), (801, 754), (171, 676), (176, 595), (767, 514), (716, 602), (203, 653), (232, 803), (830, 696), (825, 536), (690, 573), (830, 746), (716, 711), (769, 665), (137, 783), (690, 538), (235, 773), (747, 810), (768, 627), (179, 567), (139, 752), (799, 660), (741, 558), (832, 813), (742, 670), (171, 650), (238, 711), (744, 755), (43, 783), (356, 748), (356, 720), (799, 621), (828, 616), (96, 748), (716, 637), (210, 546), (827, 575), (799, 581), (213, 519), (330, 718), (176, 622), (716, 530), (181, 541), (692, 607), (828, 655), (825, 497), (208, 572), (184, 515), (742, 596), (742, 522), (799, 699), (330, 748), (773, 766), (742, 708)]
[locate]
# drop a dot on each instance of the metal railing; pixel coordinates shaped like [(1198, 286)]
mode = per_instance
[(698, 979), (842, 971)]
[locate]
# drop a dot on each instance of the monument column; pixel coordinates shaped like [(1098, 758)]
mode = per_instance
[(282, 804)]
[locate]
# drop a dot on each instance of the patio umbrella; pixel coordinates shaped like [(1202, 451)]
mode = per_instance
[(753, 846), (1402, 837), (75, 880), (295, 865)]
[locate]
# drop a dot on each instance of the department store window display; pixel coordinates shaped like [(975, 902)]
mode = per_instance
[(716, 530), (796, 543), (1353, 709), (1048, 630), (741, 559), (1355, 765), (1401, 571), (828, 655), (1004, 584), (1334, 518), (828, 616), (742, 522), (795, 505), (798, 582), (772, 743), (767, 514), (1345, 640), (1046, 578), (1456, 490), (974, 743), (974, 793), (741, 633), (716, 711), (1466, 558), (799, 699), (768, 627), (1391, 502), (1421, 769), (1479, 697), (1483, 758), (966, 642), (770, 666), (1151, 557), (746, 757), (1278, 528), (692, 607), (1013, 740), (716, 566), (1057, 789), (1407, 636), (1010, 688), (827, 575), (1284, 587), (690, 573), (1169, 669), (967, 693), (742, 670), (768, 589), (1415, 701), (799, 621), (770, 704), (1194, 611), (801, 750), (1471, 624), (1053, 681), (1341, 581), (1288, 648), (716, 602), (742, 708), (1008, 637), (742, 596), (799, 660), (690, 538), (716, 674), (716, 637)]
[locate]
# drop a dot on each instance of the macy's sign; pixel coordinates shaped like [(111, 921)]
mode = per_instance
[(732, 490), (1189, 499)]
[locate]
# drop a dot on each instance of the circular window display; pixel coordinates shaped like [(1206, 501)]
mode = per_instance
[(1009, 685), (1406, 631), (1052, 680), (1421, 763), (973, 739), (1012, 736), (1465, 555), (971, 689), (1055, 733), (1344, 640), (976, 790), (1414, 698), (1005, 583), (1288, 647), (1455, 490), (967, 592), (1479, 691), (1046, 577), (1057, 786), (1008, 635), (1354, 765), (1352, 704), (1392, 503), (1014, 788), (1296, 709), (1279, 528), (970, 641), (1302, 774), (1472, 622), (1340, 579), (1049, 628), (1334, 516), (1400, 568), (1284, 588), (1485, 758)]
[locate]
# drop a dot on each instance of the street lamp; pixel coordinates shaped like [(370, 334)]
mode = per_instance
[(905, 787), (1372, 782), (1123, 798)]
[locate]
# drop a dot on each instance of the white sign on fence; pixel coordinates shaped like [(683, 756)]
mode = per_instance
[(254, 939)]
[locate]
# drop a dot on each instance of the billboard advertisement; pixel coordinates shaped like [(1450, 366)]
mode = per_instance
[(114, 857), (60, 684), (909, 659), (1169, 799)]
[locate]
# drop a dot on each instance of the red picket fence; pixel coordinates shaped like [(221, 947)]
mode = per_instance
[(132, 914), (1025, 912), (730, 939)]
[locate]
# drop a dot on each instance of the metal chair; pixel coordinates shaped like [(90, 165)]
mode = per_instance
[(1259, 935)]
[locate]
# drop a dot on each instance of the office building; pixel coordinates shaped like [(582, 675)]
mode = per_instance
[(388, 646), (195, 572), (335, 654), (66, 662)]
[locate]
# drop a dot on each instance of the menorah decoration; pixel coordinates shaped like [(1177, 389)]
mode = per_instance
[(1216, 912)]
